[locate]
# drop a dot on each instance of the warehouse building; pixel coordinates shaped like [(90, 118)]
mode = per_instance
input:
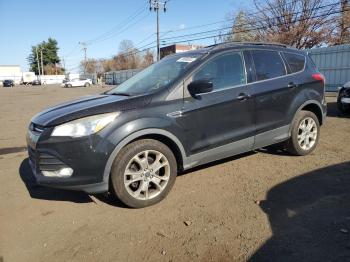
[(176, 48), (12, 72)]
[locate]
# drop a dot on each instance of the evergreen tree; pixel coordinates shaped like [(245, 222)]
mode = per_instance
[(50, 57), (241, 30)]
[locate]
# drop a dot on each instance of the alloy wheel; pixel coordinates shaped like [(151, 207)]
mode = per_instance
[(147, 174), (307, 133)]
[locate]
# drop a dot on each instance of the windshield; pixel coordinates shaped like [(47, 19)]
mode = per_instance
[(156, 76)]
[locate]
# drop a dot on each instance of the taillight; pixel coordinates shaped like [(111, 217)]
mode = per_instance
[(319, 77)]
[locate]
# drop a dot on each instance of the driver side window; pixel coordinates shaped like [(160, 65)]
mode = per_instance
[(224, 71)]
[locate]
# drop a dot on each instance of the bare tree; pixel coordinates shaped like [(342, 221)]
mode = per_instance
[(148, 58), (341, 32), (128, 56), (302, 24)]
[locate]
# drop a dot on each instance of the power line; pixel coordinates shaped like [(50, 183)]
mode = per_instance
[(241, 31), (111, 31), (145, 39), (257, 28), (217, 35), (233, 19), (117, 27), (121, 31), (247, 24)]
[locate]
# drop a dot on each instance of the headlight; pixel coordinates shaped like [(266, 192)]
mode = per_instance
[(84, 126)]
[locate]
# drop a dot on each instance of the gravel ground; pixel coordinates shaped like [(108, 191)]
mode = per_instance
[(260, 206)]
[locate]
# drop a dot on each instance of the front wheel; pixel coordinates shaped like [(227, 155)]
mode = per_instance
[(87, 84), (305, 134), (143, 173)]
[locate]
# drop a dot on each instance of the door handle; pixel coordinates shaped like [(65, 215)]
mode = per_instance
[(243, 96), (292, 85)]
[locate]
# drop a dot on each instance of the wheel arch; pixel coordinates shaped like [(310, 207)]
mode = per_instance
[(313, 106), (161, 135), (316, 109)]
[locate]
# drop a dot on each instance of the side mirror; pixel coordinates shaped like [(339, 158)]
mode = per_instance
[(200, 86)]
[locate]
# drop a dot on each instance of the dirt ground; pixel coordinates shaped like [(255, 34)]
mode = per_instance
[(260, 206)]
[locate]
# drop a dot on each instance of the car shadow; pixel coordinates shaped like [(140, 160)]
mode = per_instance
[(332, 111), (46, 193), (309, 217), (274, 150), (215, 163), (111, 200)]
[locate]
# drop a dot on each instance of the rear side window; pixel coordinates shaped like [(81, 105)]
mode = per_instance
[(224, 71), (296, 62), (268, 64)]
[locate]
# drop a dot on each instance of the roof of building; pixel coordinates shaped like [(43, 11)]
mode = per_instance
[(10, 66)]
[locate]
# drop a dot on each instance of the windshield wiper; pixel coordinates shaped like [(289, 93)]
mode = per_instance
[(120, 94)]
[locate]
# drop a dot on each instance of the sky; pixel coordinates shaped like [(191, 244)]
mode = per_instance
[(102, 24)]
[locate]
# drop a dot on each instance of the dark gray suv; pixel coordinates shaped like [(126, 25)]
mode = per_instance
[(186, 110)]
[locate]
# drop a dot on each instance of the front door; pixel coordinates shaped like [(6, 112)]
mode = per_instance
[(219, 123)]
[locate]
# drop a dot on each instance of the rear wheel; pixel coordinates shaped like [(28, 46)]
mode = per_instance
[(143, 173), (305, 134)]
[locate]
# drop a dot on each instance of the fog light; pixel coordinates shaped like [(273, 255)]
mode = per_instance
[(63, 172)]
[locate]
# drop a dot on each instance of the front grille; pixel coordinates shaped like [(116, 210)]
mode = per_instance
[(49, 163), (44, 161)]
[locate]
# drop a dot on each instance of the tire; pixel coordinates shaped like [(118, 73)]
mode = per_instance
[(143, 191), (69, 86), (87, 84), (303, 147)]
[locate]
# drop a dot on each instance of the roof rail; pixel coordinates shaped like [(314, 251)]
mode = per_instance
[(235, 43)]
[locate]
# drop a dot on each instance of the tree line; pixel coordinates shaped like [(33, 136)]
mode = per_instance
[(128, 57), (302, 24)]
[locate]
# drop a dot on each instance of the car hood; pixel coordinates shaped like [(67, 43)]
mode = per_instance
[(87, 106)]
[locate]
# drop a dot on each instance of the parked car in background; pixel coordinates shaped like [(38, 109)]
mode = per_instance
[(36, 82), (343, 100), (186, 110), (64, 81), (78, 82), (8, 83)]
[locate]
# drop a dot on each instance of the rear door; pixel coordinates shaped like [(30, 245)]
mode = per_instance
[(273, 91), (223, 116)]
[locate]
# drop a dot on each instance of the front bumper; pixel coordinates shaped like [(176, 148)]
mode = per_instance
[(83, 156)]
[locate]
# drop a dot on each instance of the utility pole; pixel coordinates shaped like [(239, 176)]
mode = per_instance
[(83, 44), (63, 63), (37, 60), (155, 5), (42, 64)]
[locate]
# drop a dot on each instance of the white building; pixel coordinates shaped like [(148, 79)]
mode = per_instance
[(12, 72)]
